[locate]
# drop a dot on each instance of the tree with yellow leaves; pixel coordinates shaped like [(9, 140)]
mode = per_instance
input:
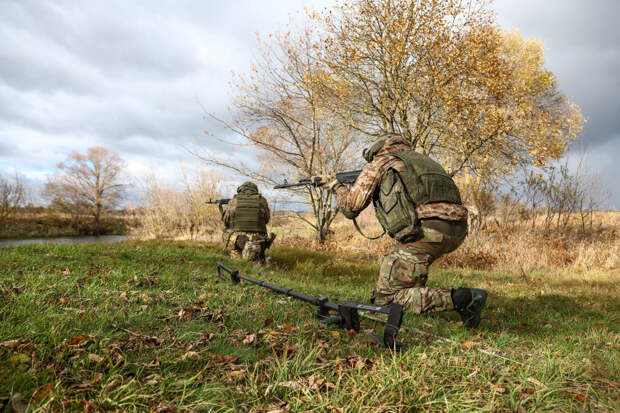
[(441, 73)]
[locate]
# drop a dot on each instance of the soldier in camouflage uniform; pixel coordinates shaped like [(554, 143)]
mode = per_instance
[(245, 220), (418, 204)]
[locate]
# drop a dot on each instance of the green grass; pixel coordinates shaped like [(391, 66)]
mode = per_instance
[(146, 325)]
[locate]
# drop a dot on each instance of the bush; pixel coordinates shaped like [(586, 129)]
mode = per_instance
[(168, 212)]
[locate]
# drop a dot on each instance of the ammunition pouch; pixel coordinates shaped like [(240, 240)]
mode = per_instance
[(395, 210)]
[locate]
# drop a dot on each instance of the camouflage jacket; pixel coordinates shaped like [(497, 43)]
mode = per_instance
[(354, 200)]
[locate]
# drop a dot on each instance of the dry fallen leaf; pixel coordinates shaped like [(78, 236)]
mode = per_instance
[(95, 358), (315, 382), (112, 384), (9, 344), (191, 355), (206, 337), (577, 396), (181, 383), (288, 328), (335, 334), (18, 404), (268, 322), (77, 340), (467, 344), (294, 385), (249, 339), (152, 379), (43, 391)]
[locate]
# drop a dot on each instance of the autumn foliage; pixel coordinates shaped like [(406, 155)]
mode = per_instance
[(443, 74)]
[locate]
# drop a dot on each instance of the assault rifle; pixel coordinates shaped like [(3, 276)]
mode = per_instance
[(343, 314), (342, 177), (223, 201)]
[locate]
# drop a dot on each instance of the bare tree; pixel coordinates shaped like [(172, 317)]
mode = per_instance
[(286, 115), (87, 184), (12, 197)]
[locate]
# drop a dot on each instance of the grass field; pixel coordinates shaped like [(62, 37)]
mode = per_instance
[(147, 326)]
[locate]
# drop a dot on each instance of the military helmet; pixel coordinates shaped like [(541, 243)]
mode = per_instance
[(247, 186), (370, 152)]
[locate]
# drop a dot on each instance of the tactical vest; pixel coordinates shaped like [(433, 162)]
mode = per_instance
[(424, 182), (247, 216)]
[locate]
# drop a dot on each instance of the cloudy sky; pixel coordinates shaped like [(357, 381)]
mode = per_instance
[(132, 75)]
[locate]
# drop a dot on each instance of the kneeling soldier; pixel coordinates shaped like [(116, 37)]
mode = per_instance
[(245, 221), (418, 204)]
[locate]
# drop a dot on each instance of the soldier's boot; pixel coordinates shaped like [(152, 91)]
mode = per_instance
[(469, 302)]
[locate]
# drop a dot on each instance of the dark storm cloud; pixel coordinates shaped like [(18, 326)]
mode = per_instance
[(582, 42), (582, 47)]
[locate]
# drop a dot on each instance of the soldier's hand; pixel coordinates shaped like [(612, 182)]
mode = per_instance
[(333, 185), (320, 180)]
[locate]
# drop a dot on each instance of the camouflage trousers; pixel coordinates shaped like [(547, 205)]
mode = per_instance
[(404, 270), (250, 246)]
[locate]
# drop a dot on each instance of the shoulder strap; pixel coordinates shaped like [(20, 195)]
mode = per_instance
[(364, 235)]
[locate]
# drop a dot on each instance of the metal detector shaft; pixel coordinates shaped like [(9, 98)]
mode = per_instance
[(235, 277), (347, 317)]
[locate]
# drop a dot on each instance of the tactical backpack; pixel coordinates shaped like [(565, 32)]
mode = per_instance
[(424, 182)]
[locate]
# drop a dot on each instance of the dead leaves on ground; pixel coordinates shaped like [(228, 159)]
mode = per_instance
[(198, 310), (312, 383)]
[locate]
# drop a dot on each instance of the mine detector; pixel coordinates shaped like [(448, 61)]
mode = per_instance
[(344, 314)]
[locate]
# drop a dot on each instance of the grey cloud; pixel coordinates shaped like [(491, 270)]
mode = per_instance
[(130, 75), (582, 42)]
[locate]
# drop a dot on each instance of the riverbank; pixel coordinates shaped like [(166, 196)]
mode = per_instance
[(147, 326), (54, 225), (81, 239)]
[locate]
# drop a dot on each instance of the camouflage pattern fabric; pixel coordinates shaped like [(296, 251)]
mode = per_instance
[(354, 200), (247, 245), (250, 246), (404, 270)]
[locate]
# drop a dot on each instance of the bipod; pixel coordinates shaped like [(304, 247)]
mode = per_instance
[(344, 314)]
